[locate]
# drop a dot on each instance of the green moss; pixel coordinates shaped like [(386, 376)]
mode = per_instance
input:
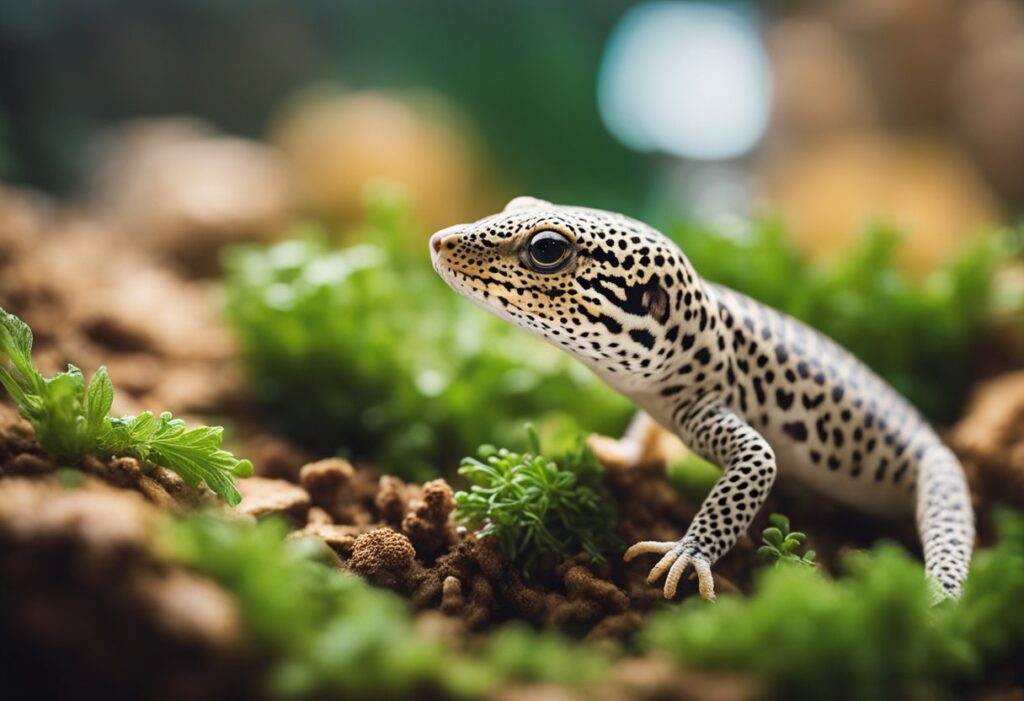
[(535, 506), (872, 634)]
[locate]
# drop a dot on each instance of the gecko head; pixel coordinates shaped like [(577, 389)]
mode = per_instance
[(600, 285)]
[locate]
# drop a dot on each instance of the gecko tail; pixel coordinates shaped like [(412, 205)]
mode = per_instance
[(945, 519)]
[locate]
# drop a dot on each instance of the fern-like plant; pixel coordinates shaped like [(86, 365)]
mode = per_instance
[(536, 506)]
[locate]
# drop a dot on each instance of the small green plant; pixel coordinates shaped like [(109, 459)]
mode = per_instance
[(536, 506), (780, 544), (71, 419), (327, 632), (918, 335)]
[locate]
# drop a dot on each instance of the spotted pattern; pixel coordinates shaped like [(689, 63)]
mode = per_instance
[(744, 386)]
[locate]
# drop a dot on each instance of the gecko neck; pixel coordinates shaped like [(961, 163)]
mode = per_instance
[(689, 355)]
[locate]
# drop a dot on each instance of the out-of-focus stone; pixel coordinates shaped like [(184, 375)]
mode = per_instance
[(929, 190), (818, 87), (262, 497), (339, 143), (179, 188), (987, 108)]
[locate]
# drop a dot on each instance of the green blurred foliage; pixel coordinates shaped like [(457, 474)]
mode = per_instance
[(693, 476), (873, 634), (325, 631), (535, 506), (518, 652), (918, 336), (366, 349)]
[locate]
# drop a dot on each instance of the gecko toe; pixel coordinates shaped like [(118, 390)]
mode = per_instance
[(648, 547), (663, 564), (674, 575), (705, 582)]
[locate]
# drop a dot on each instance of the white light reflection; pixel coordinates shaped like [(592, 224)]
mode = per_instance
[(691, 79)]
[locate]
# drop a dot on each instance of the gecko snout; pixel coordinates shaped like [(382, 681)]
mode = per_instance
[(437, 240)]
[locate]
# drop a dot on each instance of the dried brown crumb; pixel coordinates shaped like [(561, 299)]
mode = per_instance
[(452, 600), (339, 538), (263, 497), (339, 489), (391, 500), (481, 603), (427, 524), (386, 558), (580, 583), (990, 439), (487, 554), (427, 590), (619, 625), (381, 550), (29, 464), (318, 517)]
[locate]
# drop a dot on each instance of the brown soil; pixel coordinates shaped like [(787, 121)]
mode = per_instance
[(87, 605)]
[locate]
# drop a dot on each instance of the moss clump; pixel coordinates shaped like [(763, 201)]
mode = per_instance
[(873, 634), (536, 506)]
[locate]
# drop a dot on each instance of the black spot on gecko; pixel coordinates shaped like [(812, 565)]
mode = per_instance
[(796, 430), (643, 337)]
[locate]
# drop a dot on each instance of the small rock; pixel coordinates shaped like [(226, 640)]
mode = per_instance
[(262, 497)]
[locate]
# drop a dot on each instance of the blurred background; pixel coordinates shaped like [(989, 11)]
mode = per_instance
[(827, 112), (857, 163)]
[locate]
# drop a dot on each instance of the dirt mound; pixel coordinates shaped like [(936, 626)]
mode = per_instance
[(87, 605)]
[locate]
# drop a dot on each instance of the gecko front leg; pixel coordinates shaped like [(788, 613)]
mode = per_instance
[(718, 435)]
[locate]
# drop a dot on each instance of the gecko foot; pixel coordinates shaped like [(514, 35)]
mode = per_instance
[(677, 556)]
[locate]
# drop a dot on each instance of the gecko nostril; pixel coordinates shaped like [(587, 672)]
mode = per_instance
[(450, 234)]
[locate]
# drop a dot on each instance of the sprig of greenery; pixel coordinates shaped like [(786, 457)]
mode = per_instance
[(780, 544), (535, 506), (71, 419)]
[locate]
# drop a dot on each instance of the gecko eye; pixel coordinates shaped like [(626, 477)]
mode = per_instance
[(548, 251)]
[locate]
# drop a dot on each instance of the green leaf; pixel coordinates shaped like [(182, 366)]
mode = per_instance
[(780, 522), (15, 336), (99, 400), (194, 454), (773, 536)]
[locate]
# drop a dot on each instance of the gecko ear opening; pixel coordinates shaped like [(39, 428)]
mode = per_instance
[(525, 203), (655, 300)]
